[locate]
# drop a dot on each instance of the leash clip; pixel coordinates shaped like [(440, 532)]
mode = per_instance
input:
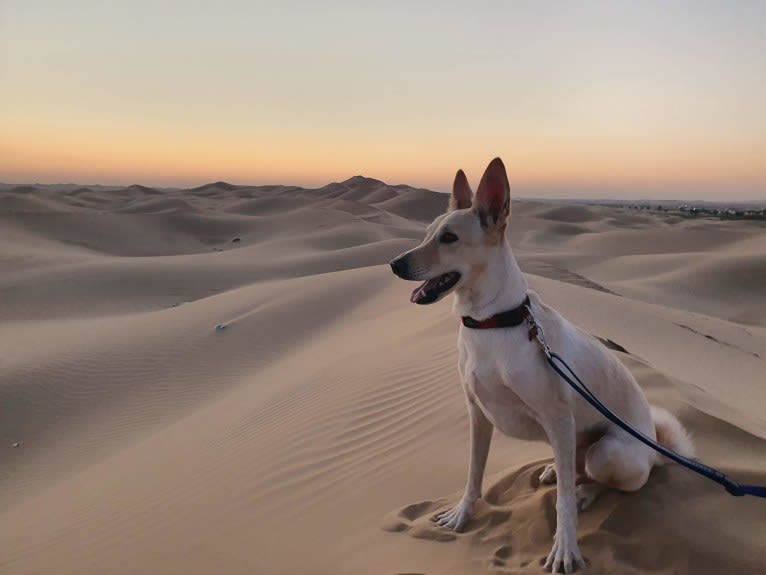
[(536, 332)]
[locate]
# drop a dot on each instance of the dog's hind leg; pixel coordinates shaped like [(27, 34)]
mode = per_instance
[(616, 461), (548, 475), (587, 493), (481, 435)]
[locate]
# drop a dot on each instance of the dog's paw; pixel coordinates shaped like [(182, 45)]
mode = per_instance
[(564, 556), (548, 475), (587, 493), (455, 518)]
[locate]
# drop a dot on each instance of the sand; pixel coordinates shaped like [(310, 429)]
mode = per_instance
[(318, 429)]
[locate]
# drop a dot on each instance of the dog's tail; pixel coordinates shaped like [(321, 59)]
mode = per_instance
[(671, 434)]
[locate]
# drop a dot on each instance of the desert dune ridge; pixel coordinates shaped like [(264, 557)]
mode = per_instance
[(229, 379)]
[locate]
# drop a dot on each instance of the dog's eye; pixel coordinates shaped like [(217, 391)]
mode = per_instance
[(447, 238)]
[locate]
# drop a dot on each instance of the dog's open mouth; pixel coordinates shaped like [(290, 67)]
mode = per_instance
[(431, 290)]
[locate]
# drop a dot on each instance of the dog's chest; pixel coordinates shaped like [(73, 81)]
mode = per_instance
[(490, 383)]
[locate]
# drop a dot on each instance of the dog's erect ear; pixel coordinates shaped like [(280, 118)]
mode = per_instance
[(461, 193), (493, 198)]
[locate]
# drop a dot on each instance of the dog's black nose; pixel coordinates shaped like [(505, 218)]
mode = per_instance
[(399, 267)]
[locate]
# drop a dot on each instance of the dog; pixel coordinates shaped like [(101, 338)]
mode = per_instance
[(507, 383)]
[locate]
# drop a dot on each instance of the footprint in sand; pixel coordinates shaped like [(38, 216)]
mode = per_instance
[(415, 518), (501, 555)]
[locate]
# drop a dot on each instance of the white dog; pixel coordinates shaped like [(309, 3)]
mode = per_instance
[(506, 380)]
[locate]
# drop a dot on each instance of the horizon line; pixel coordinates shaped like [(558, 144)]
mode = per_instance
[(603, 198)]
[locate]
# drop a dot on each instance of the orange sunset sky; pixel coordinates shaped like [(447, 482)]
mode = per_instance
[(581, 99)]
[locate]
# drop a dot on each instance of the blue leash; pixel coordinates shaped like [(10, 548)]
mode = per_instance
[(576, 383)]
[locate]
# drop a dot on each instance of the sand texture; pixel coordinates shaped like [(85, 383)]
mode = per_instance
[(322, 424)]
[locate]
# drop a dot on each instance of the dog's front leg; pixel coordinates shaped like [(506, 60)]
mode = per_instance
[(565, 555), (481, 435)]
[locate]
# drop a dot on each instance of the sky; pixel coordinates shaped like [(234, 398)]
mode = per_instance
[(580, 99)]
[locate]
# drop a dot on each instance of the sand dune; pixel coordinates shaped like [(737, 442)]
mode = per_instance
[(322, 424)]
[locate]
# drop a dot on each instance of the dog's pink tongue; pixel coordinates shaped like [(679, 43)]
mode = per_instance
[(419, 293)]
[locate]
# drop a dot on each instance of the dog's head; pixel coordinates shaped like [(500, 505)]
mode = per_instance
[(459, 244)]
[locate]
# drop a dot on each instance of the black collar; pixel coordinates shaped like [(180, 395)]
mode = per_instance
[(510, 318)]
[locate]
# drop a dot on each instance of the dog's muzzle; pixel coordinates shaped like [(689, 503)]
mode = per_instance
[(429, 291), (400, 267)]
